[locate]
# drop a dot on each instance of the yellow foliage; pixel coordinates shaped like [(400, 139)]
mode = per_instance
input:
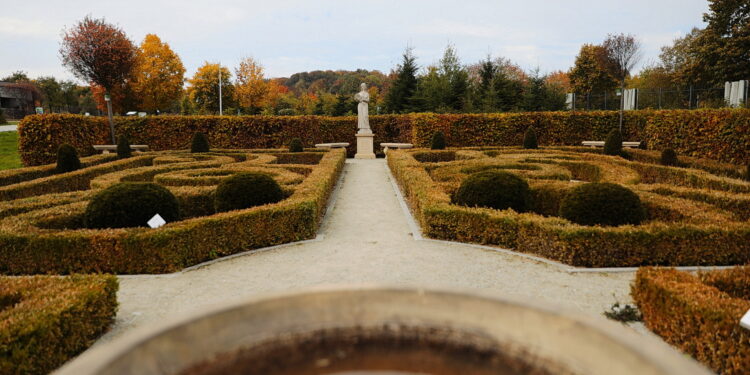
[(252, 90), (158, 76)]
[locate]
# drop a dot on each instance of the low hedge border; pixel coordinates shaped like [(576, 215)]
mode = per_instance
[(47, 320), (40, 241), (71, 181), (721, 134), (699, 315), (705, 235)]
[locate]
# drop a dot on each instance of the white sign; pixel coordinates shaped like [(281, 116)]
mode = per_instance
[(745, 321), (156, 221)]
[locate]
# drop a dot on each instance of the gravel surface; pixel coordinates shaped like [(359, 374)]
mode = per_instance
[(365, 239)]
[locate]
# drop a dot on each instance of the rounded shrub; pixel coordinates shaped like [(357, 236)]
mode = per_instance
[(123, 148), (529, 139), (613, 144), (200, 143), (438, 141), (296, 145), (130, 204), (602, 203), (493, 189), (67, 159), (245, 190), (669, 157)]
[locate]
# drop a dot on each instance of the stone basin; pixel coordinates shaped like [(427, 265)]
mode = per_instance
[(382, 331)]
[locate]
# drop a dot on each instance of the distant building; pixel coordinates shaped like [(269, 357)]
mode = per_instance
[(17, 99)]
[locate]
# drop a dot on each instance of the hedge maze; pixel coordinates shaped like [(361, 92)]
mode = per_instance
[(43, 231), (694, 215)]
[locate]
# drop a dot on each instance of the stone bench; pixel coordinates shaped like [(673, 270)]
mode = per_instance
[(332, 145), (601, 144), (387, 146), (106, 149)]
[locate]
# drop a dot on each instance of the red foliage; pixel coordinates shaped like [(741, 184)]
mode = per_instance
[(98, 52)]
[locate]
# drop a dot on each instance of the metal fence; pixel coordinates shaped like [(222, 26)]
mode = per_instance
[(657, 98)]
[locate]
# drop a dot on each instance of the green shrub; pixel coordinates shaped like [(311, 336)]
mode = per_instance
[(67, 159), (669, 158), (438, 141), (529, 139), (613, 144), (200, 143), (123, 148), (130, 204), (493, 189), (2, 118), (602, 203), (245, 190), (296, 145)]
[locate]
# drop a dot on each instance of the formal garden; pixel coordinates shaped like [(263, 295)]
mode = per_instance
[(521, 181)]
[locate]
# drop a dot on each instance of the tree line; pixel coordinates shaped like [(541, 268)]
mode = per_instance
[(151, 77)]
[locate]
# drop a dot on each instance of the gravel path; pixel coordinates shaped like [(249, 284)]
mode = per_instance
[(366, 239)]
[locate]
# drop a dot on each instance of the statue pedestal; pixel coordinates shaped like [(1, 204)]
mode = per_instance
[(365, 149)]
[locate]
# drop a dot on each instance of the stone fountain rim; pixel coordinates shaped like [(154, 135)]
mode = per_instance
[(658, 353)]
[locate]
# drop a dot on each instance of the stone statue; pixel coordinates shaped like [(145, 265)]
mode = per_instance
[(363, 118)]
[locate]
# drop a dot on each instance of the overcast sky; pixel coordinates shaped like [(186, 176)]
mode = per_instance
[(294, 36)]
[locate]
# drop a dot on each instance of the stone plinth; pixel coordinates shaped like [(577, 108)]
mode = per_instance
[(365, 146)]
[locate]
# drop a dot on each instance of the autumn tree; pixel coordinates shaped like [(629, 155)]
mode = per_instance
[(158, 75), (204, 88), (590, 72), (98, 52), (623, 52), (251, 88)]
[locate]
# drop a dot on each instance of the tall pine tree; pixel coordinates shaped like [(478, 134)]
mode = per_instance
[(401, 96)]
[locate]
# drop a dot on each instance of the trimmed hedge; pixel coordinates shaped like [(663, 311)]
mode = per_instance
[(47, 320), (699, 317), (47, 237), (682, 229), (722, 134)]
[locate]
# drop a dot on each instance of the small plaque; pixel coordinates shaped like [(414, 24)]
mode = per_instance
[(745, 321), (156, 221)]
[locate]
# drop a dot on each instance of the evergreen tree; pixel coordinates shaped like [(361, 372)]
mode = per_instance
[(486, 99), (401, 97), (342, 105)]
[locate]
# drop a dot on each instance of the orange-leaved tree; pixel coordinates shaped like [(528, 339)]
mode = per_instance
[(158, 76), (252, 90)]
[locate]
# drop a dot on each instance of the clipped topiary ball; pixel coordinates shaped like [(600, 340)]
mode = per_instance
[(130, 204), (123, 148), (245, 190), (669, 157), (613, 144), (438, 141), (494, 189), (67, 159), (529, 139), (200, 143), (296, 145), (602, 203)]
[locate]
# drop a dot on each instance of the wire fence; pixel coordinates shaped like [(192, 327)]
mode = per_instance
[(657, 98)]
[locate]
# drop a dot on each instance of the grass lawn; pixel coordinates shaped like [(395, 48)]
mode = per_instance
[(9, 150)]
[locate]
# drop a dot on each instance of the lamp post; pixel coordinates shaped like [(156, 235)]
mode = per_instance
[(221, 109), (108, 99)]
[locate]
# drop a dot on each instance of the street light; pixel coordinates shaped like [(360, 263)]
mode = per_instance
[(108, 99)]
